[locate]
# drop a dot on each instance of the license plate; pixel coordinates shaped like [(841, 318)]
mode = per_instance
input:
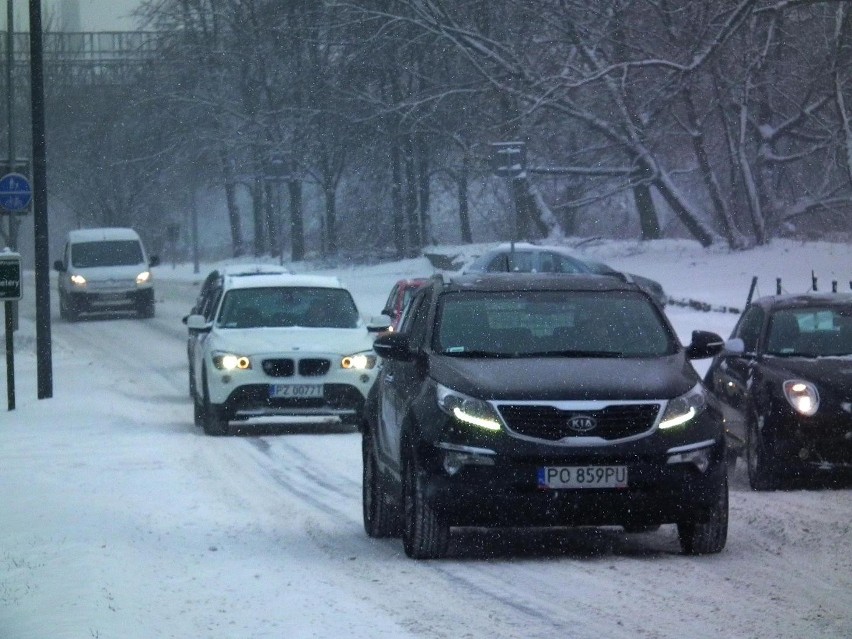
[(111, 297), (301, 391), (582, 477)]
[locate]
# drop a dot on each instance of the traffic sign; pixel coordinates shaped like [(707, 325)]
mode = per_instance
[(16, 193), (10, 276), (508, 159)]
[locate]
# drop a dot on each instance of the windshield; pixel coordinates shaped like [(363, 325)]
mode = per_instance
[(810, 332), (288, 306), (551, 324), (106, 253)]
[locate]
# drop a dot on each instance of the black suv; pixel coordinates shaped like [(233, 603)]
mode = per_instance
[(534, 400)]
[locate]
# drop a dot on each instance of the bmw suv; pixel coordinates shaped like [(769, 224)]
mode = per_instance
[(279, 345), (534, 400)]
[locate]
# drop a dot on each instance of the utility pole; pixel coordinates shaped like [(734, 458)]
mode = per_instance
[(42, 257)]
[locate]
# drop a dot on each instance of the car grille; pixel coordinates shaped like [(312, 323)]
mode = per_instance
[(278, 367), (551, 423), (285, 367), (313, 367)]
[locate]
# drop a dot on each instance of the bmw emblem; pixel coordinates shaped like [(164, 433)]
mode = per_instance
[(582, 423)]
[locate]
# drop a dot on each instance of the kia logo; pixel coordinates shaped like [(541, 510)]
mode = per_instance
[(582, 423)]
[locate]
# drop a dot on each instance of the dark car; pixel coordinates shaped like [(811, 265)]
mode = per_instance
[(401, 293), (533, 400), (785, 385), (522, 257)]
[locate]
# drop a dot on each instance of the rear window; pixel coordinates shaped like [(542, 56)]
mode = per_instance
[(106, 253), (550, 323)]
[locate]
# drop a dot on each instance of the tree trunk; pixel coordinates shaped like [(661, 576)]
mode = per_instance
[(237, 247), (415, 242), (422, 149), (258, 216), (297, 225), (687, 217), (648, 220), (396, 200), (464, 212), (330, 220)]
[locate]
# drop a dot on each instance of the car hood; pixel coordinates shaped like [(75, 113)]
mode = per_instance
[(561, 378), (105, 273), (248, 341), (825, 372)]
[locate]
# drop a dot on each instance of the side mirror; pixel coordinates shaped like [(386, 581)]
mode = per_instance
[(379, 323), (734, 346), (154, 261), (197, 323), (393, 346), (59, 265), (704, 344)]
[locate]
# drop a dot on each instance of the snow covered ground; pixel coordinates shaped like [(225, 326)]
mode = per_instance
[(120, 519)]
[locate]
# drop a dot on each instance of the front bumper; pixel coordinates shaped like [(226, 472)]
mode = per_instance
[(93, 301), (245, 394), (821, 442)]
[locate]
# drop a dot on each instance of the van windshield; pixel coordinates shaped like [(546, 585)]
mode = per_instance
[(106, 253)]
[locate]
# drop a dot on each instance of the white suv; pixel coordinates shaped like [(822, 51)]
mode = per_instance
[(280, 345)]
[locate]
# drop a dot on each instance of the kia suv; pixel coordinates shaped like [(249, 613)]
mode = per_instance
[(535, 400), (279, 345)]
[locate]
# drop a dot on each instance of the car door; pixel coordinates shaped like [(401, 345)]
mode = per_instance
[(395, 380), (730, 375), (209, 306)]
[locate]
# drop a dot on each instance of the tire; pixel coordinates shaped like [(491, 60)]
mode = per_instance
[(424, 533), (214, 419), (197, 411), (67, 310), (381, 518), (707, 537), (761, 474), (146, 310), (640, 528)]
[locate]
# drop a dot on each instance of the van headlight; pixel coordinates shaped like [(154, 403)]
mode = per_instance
[(364, 360), (468, 410), (78, 280), (685, 408), (144, 277)]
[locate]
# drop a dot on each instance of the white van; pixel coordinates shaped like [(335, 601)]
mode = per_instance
[(105, 269)]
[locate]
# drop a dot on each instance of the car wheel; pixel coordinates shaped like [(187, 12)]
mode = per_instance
[(424, 533), (66, 309), (707, 537), (761, 474), (191, 381), (381, 518), (214, 420), (197, 411), (146, 310)]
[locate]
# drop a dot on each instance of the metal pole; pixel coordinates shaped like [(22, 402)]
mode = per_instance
[(42, 257), (10, 356)]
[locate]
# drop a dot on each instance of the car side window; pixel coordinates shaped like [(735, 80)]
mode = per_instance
[(390, 305), (748, 328), (415, 321)]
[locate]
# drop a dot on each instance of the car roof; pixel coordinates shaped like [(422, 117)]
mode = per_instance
[(803, 300), (101, 234), (538, 282), (266, 280), (230, 270)]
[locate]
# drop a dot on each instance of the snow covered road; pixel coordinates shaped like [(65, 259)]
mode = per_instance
[(121, 519)]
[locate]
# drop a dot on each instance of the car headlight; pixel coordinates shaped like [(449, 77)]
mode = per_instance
[(685, 408), (144, 277), (468, 409), (359, 361), (78, 280), (803, 396), (230, 361)]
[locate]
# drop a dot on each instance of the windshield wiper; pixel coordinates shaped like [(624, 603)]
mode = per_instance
[(471, 353)]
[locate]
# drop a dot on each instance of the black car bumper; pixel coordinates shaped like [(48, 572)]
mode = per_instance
[(252, 400), (94, 302), (822, 442), (508, 493)]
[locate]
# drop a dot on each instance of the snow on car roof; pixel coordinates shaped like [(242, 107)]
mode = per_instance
[(264, 280), (100, 234)]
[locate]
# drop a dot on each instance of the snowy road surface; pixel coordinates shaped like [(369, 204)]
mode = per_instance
[(121, 519)]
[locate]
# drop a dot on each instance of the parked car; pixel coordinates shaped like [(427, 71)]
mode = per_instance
[(208, 298), (400, 295), (785, 384), (105, 269), (531, 400), (522, 257), (280, 345)]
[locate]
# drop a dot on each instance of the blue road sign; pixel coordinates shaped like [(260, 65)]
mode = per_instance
[(16, 193)]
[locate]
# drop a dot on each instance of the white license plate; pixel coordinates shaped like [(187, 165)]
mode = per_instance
[(582, 477), (307, 391)]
